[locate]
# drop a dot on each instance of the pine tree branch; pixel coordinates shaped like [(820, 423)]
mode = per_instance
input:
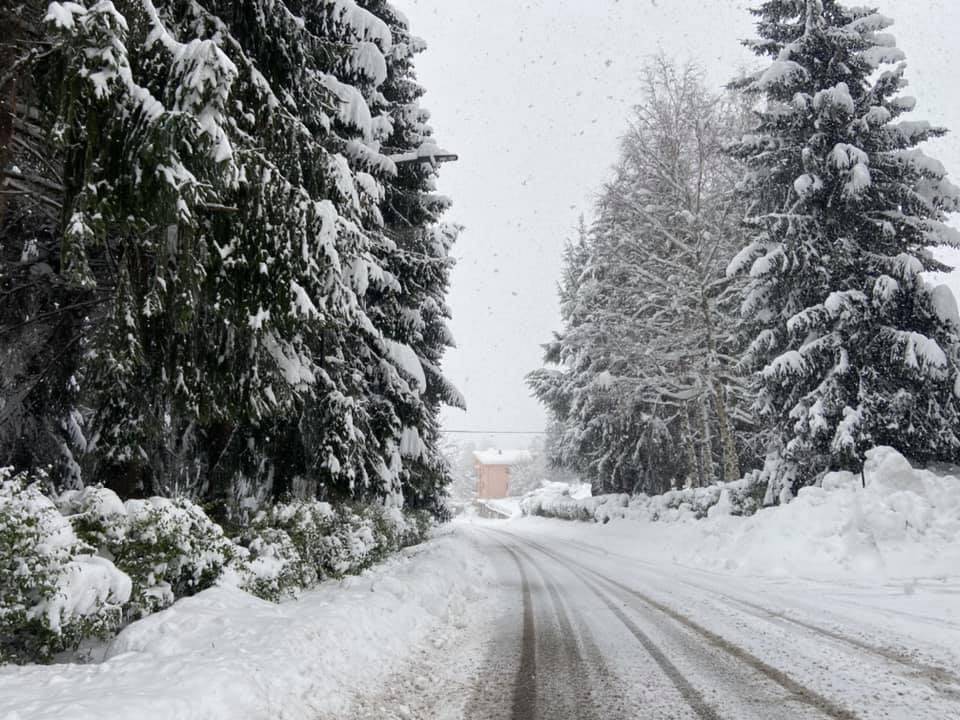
[(54, 313)]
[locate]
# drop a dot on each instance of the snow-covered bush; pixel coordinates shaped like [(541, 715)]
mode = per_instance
[(558, 500), (171, 549), (740, 497), (54, 591), (168, 547), (333, 542), (306, 523), (272, 567), (368, 533), (82, 564)]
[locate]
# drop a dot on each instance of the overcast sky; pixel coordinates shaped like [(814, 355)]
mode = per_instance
[(533, 95)]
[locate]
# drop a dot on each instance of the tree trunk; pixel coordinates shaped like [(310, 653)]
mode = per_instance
[(706, 441), (8, 104), (731, 463), (693, 462)]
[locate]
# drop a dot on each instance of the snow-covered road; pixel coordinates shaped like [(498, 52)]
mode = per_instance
[(529, 619), (580, 631)]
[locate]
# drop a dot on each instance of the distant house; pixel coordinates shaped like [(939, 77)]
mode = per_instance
[(493, 471)]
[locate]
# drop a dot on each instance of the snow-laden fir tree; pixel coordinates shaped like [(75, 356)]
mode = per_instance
[(212, 183), (851, 348), (419, 254), (646, 366)]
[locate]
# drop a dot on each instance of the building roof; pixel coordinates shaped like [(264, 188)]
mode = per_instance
[(502, 457)]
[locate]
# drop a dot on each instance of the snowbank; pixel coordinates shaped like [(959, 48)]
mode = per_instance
[(574, 502), (905, 524), (226, 654)]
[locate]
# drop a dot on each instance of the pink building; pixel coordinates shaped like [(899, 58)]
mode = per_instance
[(493, 471)]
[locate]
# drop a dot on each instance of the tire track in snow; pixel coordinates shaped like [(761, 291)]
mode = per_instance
[(525, 684), (583, 700), (796, 690), (940, 678), (690, 694)]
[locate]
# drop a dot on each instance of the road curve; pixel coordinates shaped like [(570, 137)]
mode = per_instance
[(572, 631), (596, 643)]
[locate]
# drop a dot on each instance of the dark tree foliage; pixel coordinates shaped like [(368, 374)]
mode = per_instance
[(850, 347), (223, 267)]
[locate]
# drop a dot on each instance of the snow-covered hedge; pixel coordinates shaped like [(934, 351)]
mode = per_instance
[(271, 566), (168, 547), (53, 590), (559, 500), (327, 542), (83, 563)]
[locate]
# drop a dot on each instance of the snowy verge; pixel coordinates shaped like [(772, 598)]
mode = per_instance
[(226, 654), (574, 502), (904, 525), (78, 565)]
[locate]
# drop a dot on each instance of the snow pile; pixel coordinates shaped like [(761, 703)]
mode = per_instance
[(904, 524), (570, 502), (225, 654), (53, 590), (508, 507)]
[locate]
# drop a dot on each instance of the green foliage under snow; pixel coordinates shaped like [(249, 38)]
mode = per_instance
[(740, 497), (81, 564), (54, 591)]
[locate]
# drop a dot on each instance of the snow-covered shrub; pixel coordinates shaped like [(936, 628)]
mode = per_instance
[(306, 523), (53, 591), (272, 567), (740, 497), (419, 523), (168, 547), (558, 500), (333, 542), (353, 544), (369, 533), (97, 515), (171, 549)]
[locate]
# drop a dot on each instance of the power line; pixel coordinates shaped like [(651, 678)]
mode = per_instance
[(494, 432)]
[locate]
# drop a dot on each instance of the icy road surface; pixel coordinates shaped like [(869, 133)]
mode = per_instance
[(573, 629)]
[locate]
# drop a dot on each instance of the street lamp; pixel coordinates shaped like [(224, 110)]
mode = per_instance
[(427, 153)]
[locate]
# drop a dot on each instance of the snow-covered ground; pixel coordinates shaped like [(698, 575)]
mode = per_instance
[(226, 654), (842, 604), (902, 527)]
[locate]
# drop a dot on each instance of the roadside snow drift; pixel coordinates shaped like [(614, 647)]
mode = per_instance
[(226, 654), (904, 524)]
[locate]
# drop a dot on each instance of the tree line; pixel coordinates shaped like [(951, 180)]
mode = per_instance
[(749, 293), (222, 257)]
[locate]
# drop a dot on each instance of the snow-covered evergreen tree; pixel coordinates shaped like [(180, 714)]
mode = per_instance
[(851, 348), (645, 361), (413, 313), (221, 175)]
